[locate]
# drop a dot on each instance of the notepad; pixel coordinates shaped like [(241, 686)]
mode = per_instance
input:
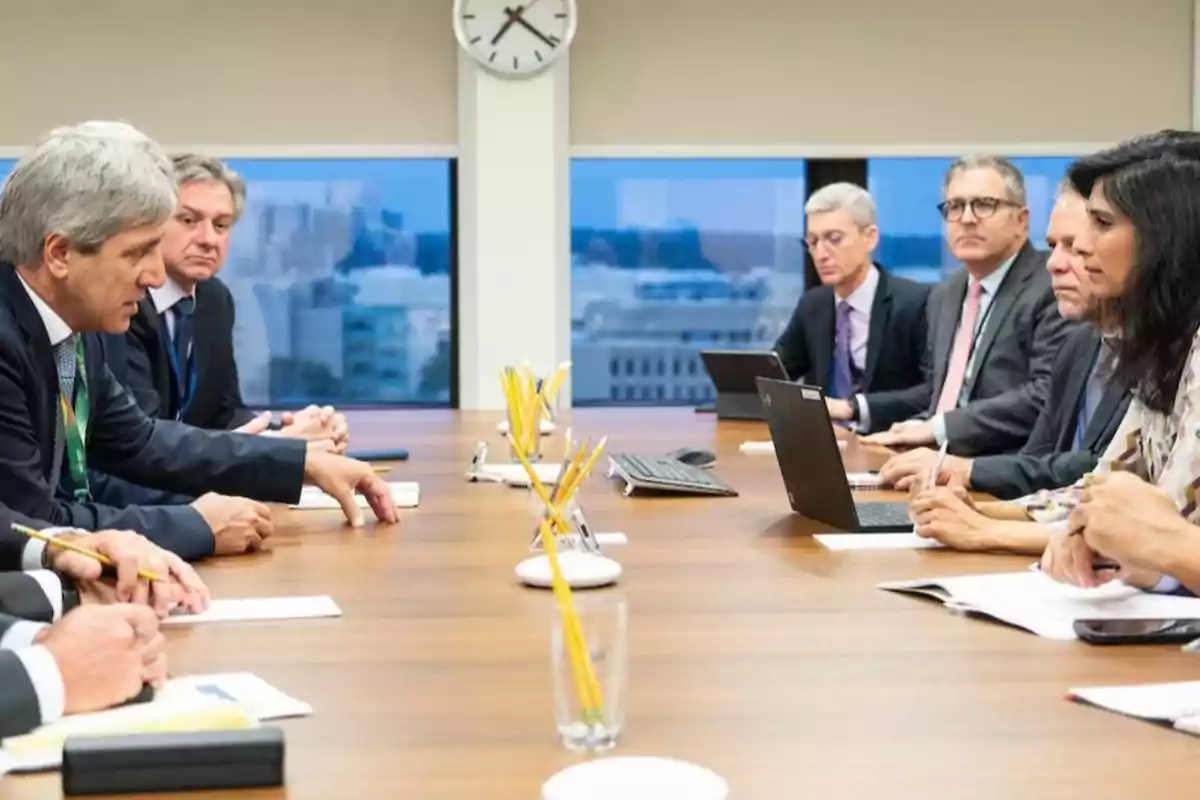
[(312, 498), (1173, 704), (256, 608), (876, 541), (757, 447), (203, 702), (1032, 601)]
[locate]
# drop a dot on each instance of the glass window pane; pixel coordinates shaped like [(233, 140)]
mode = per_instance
[(340, 269), (906, 193), (668, 257), (341, 273)]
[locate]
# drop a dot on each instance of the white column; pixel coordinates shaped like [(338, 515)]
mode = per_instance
[(1196, 65), (513, 228)]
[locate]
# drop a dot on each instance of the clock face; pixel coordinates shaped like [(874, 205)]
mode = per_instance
[(515, 37)]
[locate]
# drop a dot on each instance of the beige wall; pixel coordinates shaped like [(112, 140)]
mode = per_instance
[(233, 72), (861, 72)]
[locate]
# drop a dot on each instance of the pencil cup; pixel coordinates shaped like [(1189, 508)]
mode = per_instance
[(604, 624), (532, 443)]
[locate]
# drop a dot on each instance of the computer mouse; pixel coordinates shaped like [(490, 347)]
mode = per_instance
[(693, 456)]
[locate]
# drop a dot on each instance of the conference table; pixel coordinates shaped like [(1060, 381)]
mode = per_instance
[(754, 650)]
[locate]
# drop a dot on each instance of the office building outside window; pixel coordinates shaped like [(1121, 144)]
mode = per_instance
[(672, 256)]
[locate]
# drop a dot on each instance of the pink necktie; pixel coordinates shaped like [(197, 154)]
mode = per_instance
[(956, 371)]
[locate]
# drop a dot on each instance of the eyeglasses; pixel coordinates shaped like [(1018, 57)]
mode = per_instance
[(981, 207)]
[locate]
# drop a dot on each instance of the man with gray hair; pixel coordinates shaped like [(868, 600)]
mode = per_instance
[(81, 219), (994, 328), (862, 330), (178, 356)]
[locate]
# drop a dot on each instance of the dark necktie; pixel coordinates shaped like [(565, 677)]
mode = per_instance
[(184, 310), (843, 374), (1093, 393)]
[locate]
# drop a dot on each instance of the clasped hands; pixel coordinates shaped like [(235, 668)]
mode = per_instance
[(321, 426)]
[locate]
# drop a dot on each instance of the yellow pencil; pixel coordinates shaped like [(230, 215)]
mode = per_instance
[(54, 541)]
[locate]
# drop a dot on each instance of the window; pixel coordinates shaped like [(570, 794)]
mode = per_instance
[(340, 269), (906, 193), (674, 253), (333, 250)]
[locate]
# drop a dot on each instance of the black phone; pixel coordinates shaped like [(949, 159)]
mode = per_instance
[(1137, 631)]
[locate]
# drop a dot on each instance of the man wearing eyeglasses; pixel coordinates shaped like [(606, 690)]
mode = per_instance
[(862, 330), (994, 328)]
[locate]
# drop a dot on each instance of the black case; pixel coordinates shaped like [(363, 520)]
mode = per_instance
[(172, 762)]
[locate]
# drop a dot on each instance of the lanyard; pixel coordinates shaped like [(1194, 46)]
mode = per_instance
[(75, 427), (186, 390)]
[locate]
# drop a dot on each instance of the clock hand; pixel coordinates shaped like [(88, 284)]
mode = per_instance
[(521, 21), (514, 14)]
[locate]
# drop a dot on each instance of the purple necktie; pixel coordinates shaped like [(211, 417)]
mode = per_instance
[(843, 378)]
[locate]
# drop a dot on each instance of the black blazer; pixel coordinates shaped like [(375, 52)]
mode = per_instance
[(122, 441), (139, 360), (1014, 357), (1048, 460), (895, 342), (12, 544), (20, 711)]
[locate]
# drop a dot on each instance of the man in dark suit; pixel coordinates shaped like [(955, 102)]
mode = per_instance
[(993, 327), (81, 221), (177, 357), (1083, 407), (94, 658), (862, 330)]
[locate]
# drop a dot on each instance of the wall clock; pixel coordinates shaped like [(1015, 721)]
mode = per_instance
[(515, 38)]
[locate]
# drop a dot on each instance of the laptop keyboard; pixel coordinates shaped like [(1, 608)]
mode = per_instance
[(883, 515)]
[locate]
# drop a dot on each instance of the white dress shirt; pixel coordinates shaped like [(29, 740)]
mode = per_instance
[(165, 297), (989, 286)]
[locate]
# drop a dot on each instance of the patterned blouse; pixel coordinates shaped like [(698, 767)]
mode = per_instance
[(1163, 449)]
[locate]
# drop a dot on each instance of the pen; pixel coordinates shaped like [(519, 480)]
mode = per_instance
[(54, 541), (936, 469)]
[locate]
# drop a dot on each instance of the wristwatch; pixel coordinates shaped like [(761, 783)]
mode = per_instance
[(853, 401)]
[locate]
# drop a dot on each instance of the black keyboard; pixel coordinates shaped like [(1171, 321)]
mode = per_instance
[(883, 515), (665, 475)]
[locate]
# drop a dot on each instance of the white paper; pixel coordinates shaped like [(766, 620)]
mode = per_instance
[(545, 427), (864, 480), (1041, 605), (515, 475), (249, 691), (404, 495), (757, 447), (200, 702), (876, 541), (252, 608), (1163, 702), (1188, 725)]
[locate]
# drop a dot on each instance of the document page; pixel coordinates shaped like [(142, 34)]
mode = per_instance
[(876, 541), (1041, 605), (404, 495), (252, 608), (1160, 702)]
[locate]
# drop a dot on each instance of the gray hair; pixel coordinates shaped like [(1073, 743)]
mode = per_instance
[(191, 167), (86, 182), (849, 196), (1014, 181)]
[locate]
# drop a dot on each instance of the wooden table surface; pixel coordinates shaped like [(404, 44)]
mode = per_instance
[(753, 650)]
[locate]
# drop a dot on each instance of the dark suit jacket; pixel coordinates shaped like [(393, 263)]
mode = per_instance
[(1048, 460), (12, 544), (895, 343), (19, 708), (139, 360), (1013, 360), (22, 596), (122, 441)]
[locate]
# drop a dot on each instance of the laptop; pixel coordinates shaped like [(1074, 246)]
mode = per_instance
[(733, 373), (811, 464)]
